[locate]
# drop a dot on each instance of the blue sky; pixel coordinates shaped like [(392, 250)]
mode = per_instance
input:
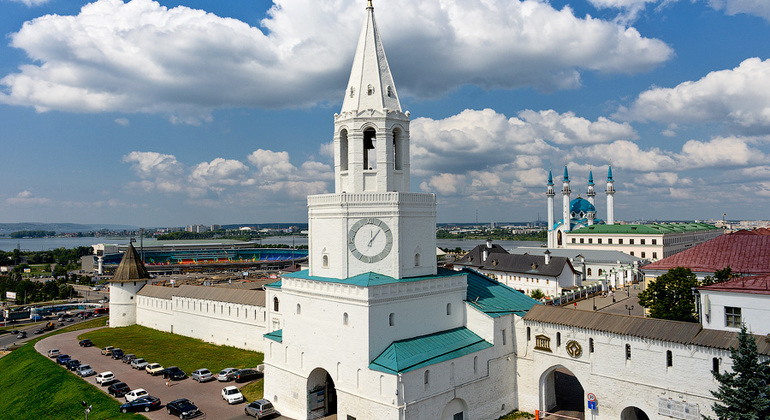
[(170, 113)]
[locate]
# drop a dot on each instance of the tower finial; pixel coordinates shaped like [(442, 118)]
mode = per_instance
[(370, 5)]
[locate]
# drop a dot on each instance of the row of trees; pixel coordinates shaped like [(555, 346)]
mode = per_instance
[(33, 291), (69, 258)]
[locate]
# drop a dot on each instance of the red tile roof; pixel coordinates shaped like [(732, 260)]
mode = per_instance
[(756, 285), (746, 254), (760, 231)]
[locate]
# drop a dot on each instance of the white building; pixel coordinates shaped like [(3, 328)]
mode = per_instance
[(612, 268)]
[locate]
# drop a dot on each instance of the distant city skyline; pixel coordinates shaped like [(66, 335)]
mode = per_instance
[(173, 113)]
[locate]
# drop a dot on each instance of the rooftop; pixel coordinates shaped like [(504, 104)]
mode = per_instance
[(493, 298), (755, 285), (367, 279), (219, 294), (130, 268), (651, 229)]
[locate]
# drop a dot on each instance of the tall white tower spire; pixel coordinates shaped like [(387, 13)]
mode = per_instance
[(591, 194), (610, 198), (565, 193), (550, 193)]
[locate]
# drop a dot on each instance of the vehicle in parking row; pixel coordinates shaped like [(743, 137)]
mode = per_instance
[(118, 389), (154, 369), (110, 382), (73, 364), (202, 375), (85, 343), (139, 363), (232, 395), (146, 403), (107, 351), (174, 373), (245, 375), (128, 358), (260, 409), (62, 359), (85, 370), (53, 353), (226, 374), (104, 376), (136, 393), (183, 408), (117, 354)]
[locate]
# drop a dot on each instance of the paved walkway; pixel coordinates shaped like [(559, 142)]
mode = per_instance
[(624, 299)]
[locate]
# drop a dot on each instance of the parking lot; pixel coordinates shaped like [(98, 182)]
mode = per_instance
[(207, 395)]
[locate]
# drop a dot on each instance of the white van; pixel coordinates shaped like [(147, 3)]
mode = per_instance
[(104, 376), (53, 353)]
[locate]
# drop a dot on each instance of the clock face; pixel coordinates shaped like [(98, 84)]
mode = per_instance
[(370, 240)]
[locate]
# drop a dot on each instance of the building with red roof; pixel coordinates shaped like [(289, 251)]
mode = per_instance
[(743, 300)]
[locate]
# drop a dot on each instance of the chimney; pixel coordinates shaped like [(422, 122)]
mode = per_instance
[(489, 243), (547, 256), (484, 255)]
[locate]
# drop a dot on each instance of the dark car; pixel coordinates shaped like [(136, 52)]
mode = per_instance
[(183, 408), (141, 404), (245, 375), (128, 358), (117, 354), (174, 373), (73, 364), (39, 331), (260, 409), (86, 343), (118, 389), (111, 382), (22, 334), (62, 359)]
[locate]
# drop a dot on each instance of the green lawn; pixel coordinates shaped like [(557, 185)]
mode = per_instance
[(254, 391), (173, 350), (35, 387)]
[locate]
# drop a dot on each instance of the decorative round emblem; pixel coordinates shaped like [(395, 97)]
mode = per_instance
[(574, 349), (370, 240)]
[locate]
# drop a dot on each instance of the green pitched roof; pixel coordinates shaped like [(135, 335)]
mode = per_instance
[(494, 298), (276, 335), (651, 229), (414, 353), (276, 285), (369, 279)]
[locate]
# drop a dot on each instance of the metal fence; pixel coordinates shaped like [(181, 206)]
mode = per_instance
[(574, 295)]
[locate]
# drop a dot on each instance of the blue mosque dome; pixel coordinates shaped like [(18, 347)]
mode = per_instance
[(579, 208)]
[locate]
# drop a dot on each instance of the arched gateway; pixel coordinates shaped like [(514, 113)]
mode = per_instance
[(633, 413), (321, 394), (561, 392)]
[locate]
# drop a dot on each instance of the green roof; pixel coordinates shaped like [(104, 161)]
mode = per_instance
[(276, 285), (414, 353), (276, 335), (651, 229), (494, 298), (369, 279)]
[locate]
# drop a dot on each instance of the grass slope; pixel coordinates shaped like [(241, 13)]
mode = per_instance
[(35, 387), (173, 350)]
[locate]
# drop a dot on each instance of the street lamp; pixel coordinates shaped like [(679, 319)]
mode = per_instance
[(629, 309), (87, 407)]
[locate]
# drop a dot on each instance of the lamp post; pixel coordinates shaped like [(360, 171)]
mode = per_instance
[(629, 308), (87, 407)]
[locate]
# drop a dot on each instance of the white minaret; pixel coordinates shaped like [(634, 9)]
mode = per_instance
[(610, 198), (550, 193), (565, 193), (372, 223), (591, 194)]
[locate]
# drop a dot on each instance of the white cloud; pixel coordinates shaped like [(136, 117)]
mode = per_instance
[(720, 152), (27, 198), (759, 8), (630, 8), (218, 174), (739, 97), (122, 122), (444, 184), (32, 3), (143, 57), (153, 164)]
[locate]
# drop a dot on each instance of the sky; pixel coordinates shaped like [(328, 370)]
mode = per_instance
[(169, 113)]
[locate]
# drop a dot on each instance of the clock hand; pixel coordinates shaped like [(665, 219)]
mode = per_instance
[(372, 240)]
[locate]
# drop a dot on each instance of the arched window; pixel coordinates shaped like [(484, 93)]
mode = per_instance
[(426, 377), (326, 261), (601, 272), (370, 90), (299, 309), (475, 364), (669, 358), (370, 148), (344, 150), (417, 260), (398, 162), (275, 304), (628, 352), (589, 271), (345, 318), (389, 91), (529, 333), (558, 339), (715, 364), (449, 309), (392, 319), (590, 345)]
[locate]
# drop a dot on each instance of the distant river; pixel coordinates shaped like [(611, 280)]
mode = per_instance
[(45, 244)]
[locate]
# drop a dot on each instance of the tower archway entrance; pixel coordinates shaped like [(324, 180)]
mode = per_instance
[(562, 393), (633, 413), (321, 395)]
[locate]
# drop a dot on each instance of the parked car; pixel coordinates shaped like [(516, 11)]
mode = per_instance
[(85, 370), (107, 351), (39, 331), (173, 372), (73, 364), (85, 343), (232, 395), (136, 393), (128, 358), (14, 331), (202, 375), (53, 353), (139, 363), (245, 375), (146, 403), (62, 359), (183, 408), (118, 389), (226, 374), (104, 376), (111, 382), (117, 354), (154, 369), (260, 409)]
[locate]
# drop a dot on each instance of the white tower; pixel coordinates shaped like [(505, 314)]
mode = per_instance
[(591, 194), (130, 276), (565, 192), (610, 198), (550, 194), (372, 223)]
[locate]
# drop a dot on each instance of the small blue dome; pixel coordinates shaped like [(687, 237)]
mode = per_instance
[(580, 207)]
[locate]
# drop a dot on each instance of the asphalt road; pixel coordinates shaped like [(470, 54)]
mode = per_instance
[(6, 340), (207, 396)]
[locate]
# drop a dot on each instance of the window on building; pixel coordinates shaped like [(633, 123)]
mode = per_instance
[(732, 317), (654, 255), (325, 261), (344, 150), (529, 333), (628, 352), (599, 240), (299, 309), (641, 241), (449, 309), (589, 271), (654, 241), (426, 377), (558, 339), (370, 149), (392, 319), (416, 260), (643, 255), (573, 240), (620, 241), (609, 241), (275, 304), (631, 241), (715, 364), (397, 139), (581, 240), (590, 345), (601, 271), (345, 318), (505, 339), (458, 416), (669, 359), (632, 253)]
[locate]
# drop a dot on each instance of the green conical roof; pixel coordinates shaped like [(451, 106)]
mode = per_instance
[(131, 267)]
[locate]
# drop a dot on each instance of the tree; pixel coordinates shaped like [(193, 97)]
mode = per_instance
[(670, 295), (744, 393), (537, 294), (719, 276)]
